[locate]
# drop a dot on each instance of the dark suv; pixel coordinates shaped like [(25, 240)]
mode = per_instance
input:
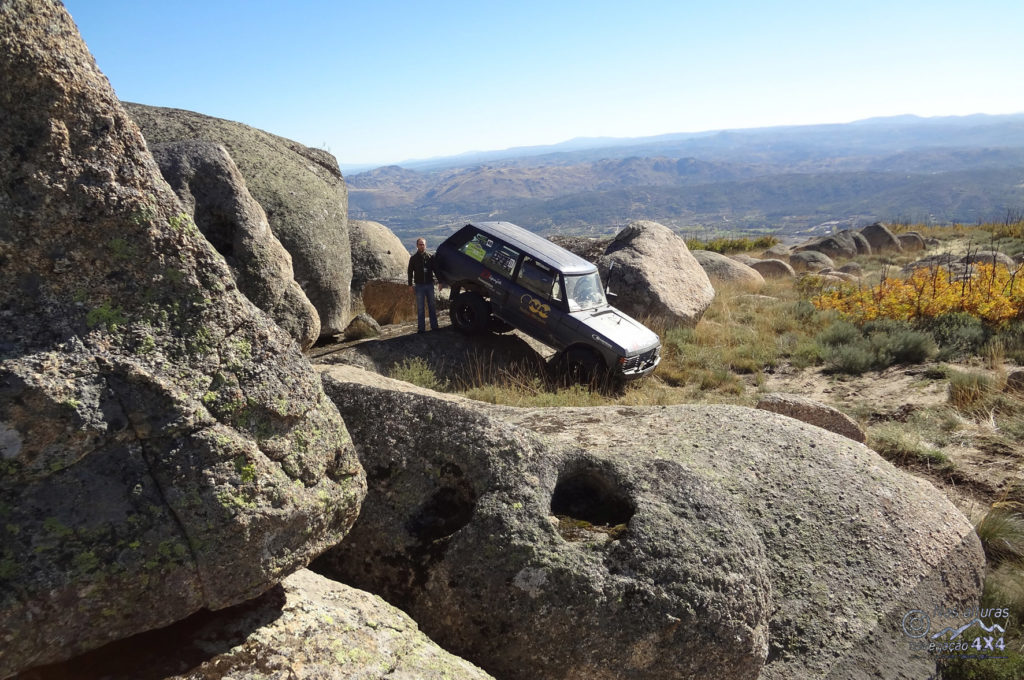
[(503, 276)]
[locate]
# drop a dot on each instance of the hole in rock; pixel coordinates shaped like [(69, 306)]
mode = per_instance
[(444, 513), (591, 496)]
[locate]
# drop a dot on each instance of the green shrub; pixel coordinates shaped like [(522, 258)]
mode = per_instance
[(840, 333), (878, 345), (1012, 337), (853, 358), (416, 371), (957, 334), (905, 347)]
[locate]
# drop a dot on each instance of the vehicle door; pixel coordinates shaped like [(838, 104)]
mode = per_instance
[(537, 301)]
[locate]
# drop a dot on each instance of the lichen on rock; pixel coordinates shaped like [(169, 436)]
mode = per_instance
[(165, 445)]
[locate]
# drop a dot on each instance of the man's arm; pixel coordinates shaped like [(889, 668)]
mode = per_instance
[(410, 269)]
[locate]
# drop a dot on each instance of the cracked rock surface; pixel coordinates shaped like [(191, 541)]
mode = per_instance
[(308, 628), (164, 446), (645, 542)]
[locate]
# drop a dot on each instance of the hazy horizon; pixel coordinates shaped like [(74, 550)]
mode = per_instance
[(389, 82)]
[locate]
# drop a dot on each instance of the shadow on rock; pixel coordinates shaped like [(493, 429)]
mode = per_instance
[(157, 654), (452, 356)]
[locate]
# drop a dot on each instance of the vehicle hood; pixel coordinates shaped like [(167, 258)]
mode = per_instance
[(610, 326)]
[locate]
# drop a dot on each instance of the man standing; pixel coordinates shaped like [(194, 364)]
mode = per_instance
[(421, 272)]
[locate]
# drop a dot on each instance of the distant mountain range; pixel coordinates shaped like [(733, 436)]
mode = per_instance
[(792, 181)]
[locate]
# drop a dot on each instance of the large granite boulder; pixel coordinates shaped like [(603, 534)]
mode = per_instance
[(214, 193), (774, 269), (516, 555), (655, 275), (307, 628), (724, 270), (164, 446), (810, 261), (779, 251), (911, 241), (813, 412), (881, 239), (840, 244), (990, 257), (376, 254), (658, 542), (300, 189)]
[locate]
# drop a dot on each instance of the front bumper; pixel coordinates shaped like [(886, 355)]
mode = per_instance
[(640, 365)]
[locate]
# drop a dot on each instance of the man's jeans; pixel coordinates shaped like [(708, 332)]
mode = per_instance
[(425, 291)]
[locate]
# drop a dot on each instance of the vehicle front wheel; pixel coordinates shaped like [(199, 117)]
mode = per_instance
[(470, 313), (581, 365)]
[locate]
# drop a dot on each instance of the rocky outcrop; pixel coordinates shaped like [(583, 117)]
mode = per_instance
[(1015, 380), (486, 536), (881, 239), (911, 241), (164, 446), (660, 542), (778, 252), (721, 269), (376, 254), (300, 189), (307, 628), (745, 259), (813, 412), (991, 257), (852, 268), (810, 261), (362, 326), (589, 248), (773, 269), (655, 275), (841, 244), (213, 192)]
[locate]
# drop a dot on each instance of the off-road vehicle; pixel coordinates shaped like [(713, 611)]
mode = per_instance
[(504, 277)]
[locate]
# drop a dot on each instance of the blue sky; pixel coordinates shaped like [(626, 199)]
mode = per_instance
[(380, 81)]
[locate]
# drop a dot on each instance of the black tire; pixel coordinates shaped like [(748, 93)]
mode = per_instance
[(581, 365), (496, 325), (470, 313)]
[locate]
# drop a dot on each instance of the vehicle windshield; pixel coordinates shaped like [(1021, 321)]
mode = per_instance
[(584, 292)]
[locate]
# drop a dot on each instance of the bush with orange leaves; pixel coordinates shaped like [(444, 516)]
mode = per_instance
[(991, 293)]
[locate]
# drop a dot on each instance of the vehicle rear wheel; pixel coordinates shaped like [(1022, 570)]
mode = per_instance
[(470, 313), (581, 365)]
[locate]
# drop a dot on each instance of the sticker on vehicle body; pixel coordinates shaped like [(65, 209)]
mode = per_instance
[(491, 282), (534, 307)]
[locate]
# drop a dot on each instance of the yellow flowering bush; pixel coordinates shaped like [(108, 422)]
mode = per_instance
[(991, 293)]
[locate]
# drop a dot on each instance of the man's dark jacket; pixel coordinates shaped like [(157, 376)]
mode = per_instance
[(421, 268)]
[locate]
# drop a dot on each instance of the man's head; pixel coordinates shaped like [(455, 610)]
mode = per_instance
[(421, 244)]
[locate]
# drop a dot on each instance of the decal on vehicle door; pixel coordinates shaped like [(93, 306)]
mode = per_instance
[(535, 307)]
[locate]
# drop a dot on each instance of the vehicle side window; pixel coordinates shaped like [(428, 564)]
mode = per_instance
[(538, 278), (491, 253)]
